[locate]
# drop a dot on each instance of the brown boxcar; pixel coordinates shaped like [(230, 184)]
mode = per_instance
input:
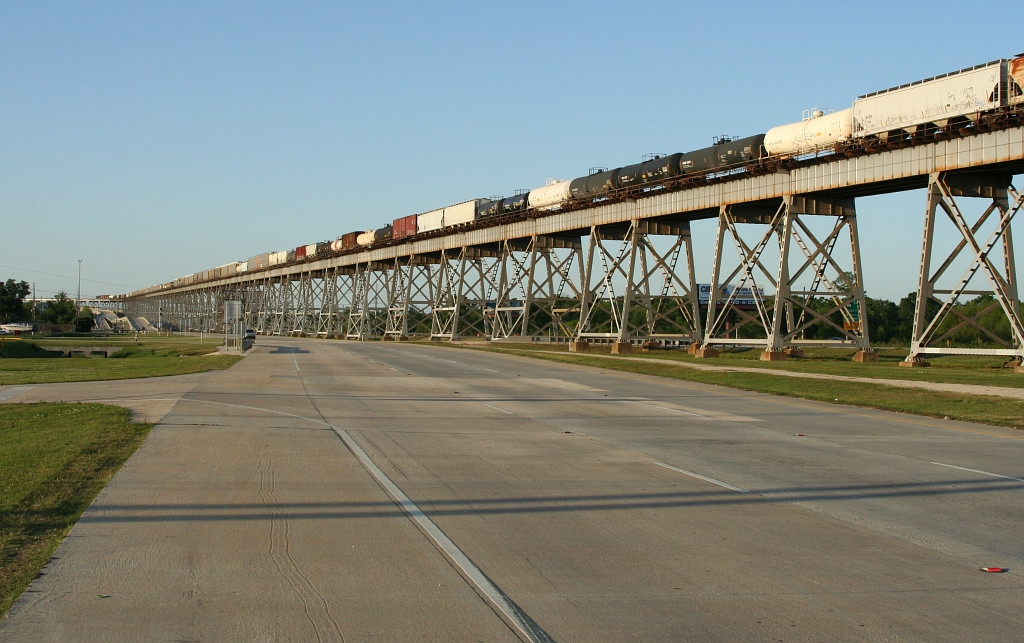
[(404, 227)]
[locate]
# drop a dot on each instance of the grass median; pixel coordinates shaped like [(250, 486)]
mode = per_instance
[(54, 460), (28, 361)]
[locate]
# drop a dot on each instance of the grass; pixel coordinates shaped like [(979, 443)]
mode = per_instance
[(948, 369), (150, 356), (54, 460), (993, 410)]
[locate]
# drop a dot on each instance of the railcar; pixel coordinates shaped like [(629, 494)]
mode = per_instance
[(513, 204), (656, 170), (403, 227), (595, 185), (550, 197), (371, 237), (819, 130)]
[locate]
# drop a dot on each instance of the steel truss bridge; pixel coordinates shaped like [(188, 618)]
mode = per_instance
[(786, 258)]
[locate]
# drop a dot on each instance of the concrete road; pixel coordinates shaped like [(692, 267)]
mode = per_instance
[(354, 491)]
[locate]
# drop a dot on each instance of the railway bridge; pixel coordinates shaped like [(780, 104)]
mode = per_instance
[(786, 258)]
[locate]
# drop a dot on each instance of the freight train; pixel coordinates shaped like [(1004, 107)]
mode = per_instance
[(979, 98)]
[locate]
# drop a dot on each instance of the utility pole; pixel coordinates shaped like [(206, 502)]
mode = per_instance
[(78, 300)]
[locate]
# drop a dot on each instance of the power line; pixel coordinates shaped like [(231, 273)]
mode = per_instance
[(50, 274)]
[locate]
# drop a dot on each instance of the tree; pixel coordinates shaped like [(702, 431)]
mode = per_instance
[(905, 316), (60, 311), (12, 300), (85, 322), (883, 321)]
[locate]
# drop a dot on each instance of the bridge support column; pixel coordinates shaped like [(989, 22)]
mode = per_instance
[(396, 327), (459, 298), (655, 301), (939, 322), (327, 313), (303, 307), (813, 297), (533, 288), (367, 316)]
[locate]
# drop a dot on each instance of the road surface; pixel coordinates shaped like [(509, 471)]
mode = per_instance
[(323, 490)]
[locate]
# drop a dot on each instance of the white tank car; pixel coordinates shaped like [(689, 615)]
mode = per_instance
[(817, 132), (549, 197), (366, 238)]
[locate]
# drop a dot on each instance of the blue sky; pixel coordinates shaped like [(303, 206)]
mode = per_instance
[(154, 140)]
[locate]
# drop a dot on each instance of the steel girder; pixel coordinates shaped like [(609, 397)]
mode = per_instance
[(200, 310), (527, 284), (300, 317), (936, 318), (249, 293), (258, 311), (410, 294), (632, 288), (330, 319), (195, 310), (460, 296), (805, 292), (369, 301)]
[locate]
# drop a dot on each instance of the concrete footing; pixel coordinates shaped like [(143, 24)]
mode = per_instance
[(620, 348), (578, 346), (863, 357), (774, 356), (706, 353), (916, 362)]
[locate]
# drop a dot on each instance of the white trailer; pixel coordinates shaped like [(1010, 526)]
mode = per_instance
[(433, 220), (460, 213)]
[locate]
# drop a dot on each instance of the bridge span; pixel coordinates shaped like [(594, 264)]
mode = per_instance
[(786, 259)]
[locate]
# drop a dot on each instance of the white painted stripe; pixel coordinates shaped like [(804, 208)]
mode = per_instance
[(984, 473), (704, 478), (14, 391), (498, 408), (665, 408), (296, 362), (471, 571)]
